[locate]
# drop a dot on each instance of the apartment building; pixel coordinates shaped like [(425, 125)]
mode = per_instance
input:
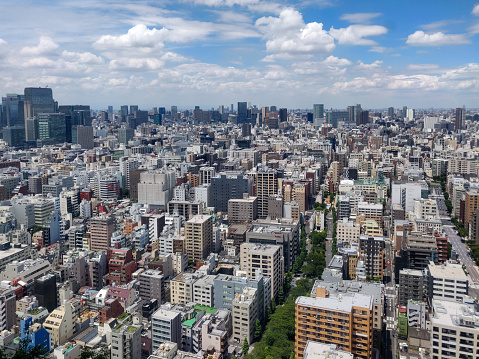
[(471, 203), (348, 231), (268, 258), (266, 186), (101, 230), (245, 313), (199, 237), (244, 210), (343, 320), (126, 341), (60, 324), (413, 285), (372, 253), (152, 285)]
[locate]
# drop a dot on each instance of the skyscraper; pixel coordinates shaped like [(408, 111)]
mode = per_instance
[(12, 108), (318, 111), (459, 119), (283, 114), (242, 112), (199, 237), (391, 111), (38, 100)]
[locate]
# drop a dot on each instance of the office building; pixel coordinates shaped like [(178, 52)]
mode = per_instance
[(448, 282), (455, 330), (199, 237), (125, 134), (226, 186), (459, 122), (284, 232), (84, 137), (156, 187), (52, 127), (13, 111), (38, 100)]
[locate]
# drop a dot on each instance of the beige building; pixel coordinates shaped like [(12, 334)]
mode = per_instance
[(245, 313), (243, 209), (348, 231), (268, 258), (181, 287), (60, 324), (199, 237)]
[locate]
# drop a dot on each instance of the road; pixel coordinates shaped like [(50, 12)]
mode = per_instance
[(461, 250), (452, 237)]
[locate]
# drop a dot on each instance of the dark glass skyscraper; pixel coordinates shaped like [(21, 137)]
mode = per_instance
[(12, 108), (38, 100), (52, 126)]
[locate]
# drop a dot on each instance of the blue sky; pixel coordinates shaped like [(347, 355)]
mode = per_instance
[(211, 52)]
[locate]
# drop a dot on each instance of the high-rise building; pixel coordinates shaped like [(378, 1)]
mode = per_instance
[(372, 254), (226, 186), (14, 136), (125, 134), (318, 111), (38, 100), (363, 118), (52, 127), (345, 320), (101, 229), (199, 237), (266, 186), (283, 114), (124, 113), (471, 203), (13, 110), (126, 341), (268, 258), (459, 123), (84, 137), (243, 210), (45, 289), (391, 112), (174, 112)]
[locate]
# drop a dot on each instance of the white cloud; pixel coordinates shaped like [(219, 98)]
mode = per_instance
[(336, 61), (83, 57), (139, 37), (423, 67), (474, 29), (288, 34), (136, 64), (373, 65), (378, 49), (420, 38), (475, 10), (361, 17), (46, 46), (355, 34)]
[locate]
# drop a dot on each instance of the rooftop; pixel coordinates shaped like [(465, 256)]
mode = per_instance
[(449, 272), (341, 303)]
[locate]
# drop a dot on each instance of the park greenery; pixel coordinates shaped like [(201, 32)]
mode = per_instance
[(277, 340)]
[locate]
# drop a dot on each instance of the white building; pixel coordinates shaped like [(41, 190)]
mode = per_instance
[(455, 329), (448, 282)]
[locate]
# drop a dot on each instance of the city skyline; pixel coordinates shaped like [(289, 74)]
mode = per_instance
[(212, 52)]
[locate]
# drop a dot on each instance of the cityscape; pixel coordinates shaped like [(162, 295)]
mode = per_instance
[(239, 179)]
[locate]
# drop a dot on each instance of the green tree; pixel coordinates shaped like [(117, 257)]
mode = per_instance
[(245, 348), (258, 329), (25, 351), (268, 313), (280, 296), (101, 353), (273, 306)]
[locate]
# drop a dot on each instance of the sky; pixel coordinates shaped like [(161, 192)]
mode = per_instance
[(287, 53)]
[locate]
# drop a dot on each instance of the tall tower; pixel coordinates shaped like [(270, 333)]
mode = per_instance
[(266, 185), (459, 119)]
